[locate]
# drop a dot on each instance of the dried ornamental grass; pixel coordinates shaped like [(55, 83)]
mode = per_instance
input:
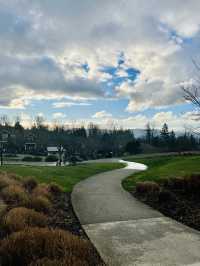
[(15, 195), (3, 208), (147, 187), (19, 218), (40, 203), (42, 190), (30, 183), (23, 247)]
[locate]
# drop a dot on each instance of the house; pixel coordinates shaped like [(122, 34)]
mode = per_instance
[(4, 136), (30, 147), (52, 150)]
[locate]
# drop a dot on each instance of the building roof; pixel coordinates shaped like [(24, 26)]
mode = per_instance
[(52, 149)]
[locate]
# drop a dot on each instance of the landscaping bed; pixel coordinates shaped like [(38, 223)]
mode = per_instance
[(170, 186), (38, 226), (178, 198)]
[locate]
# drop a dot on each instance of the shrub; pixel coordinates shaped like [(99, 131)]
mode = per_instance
[(192, 183), (166, 196), (41, 190), (30, 183), (67, 261), (15, 195), (55, 189), (13, 176), (4, 181), (19, 218), (3, 208), (23, 247), (32, 159), (51, 158), (177, 183), (40, 203), (147, 187)]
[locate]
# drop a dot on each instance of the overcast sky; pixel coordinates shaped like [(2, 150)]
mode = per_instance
[(121, 61)]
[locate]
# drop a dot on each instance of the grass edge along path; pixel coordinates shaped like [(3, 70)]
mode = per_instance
[(66, 176), (162, 167)]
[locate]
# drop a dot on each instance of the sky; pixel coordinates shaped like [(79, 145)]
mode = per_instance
[(119, 62)]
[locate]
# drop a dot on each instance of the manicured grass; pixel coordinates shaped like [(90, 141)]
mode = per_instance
[(163, 167), (66, 176)]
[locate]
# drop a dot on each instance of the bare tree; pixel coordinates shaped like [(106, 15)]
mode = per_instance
[(39, 121), (192, 95), (4, 120)]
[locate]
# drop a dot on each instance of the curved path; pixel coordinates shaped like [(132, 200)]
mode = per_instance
[(127, 232)]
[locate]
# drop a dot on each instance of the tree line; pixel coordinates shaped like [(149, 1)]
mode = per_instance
[(91, 142)]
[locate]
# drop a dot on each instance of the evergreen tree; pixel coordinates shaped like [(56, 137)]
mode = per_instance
[(164, 133), (149, 134), (172, 141)]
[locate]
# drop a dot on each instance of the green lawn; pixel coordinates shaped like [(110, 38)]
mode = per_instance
[(163, 167), (66, 176)]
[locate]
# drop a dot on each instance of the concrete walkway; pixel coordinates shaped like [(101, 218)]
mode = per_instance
[(127, 232)]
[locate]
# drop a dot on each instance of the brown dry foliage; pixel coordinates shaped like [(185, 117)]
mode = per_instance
[(30, 183), (188, 184), (66, 261), (40, 203), (15, 195), (3, 208), (147, 187), (55, 189), (192, 183), (6, 181), (23, 247), (13, 176), (42, 190), (19, 218), (175, 183)]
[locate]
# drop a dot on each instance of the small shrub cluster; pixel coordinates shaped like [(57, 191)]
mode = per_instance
[(189, 184), (47, 247), (51, 158), (40, 203), (7, 179), (3, 208), (19, 218), (42, 190), (67, 261), (26, 236), (55, 189), (147, 187), (32, 159), (15, 195), (30, 183)]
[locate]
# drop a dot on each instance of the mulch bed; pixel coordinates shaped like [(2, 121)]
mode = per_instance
[(175, 203), (62, 215)]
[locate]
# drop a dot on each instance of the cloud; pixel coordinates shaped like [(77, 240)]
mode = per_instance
[(102, 114), (69, 104), (186, 121), (41, 78), (58, 115), (45, 46)]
